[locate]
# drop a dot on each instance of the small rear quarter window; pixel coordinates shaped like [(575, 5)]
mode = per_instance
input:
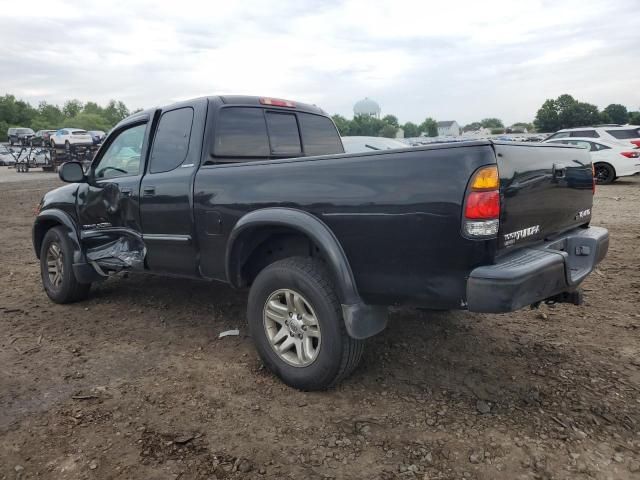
[(319, 135), (241, 132)]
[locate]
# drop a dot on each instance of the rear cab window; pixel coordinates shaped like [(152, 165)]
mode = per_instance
[(625, 134), (254, 133)]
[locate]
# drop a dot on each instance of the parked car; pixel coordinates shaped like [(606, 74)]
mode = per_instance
[(357, 144), (70, 136), (42, 138), (620, 134), (258, 193), (19, 136), (6, 157), (97, 135), (610, 159)]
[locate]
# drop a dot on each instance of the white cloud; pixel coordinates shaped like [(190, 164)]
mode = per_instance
[(459, 60)]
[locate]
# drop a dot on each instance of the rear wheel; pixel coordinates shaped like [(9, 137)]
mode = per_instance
[(296, 322), (604, 173), (56, 268)]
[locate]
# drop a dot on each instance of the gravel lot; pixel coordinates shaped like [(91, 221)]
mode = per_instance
[(134, 382)]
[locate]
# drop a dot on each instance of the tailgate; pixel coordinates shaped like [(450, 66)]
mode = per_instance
[(546, 190)]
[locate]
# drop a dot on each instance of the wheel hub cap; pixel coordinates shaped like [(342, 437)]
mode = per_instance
[(55, 265), (292, 327)]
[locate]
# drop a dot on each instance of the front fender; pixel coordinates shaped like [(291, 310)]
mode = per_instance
[(361, 320), (51, 218)]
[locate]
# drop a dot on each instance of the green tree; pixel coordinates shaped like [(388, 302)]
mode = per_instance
[(115, 111), (89, 121), (547, 119), (92, 107), (566, 112), (342, 124), (617, 113), (366, 125), (411, 130), (391, 120), (429, 127), (491, 123), (388, 131), (634, 118), (71, 108)]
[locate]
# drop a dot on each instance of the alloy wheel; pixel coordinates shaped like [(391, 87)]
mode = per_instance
[(292, 327), (55, 265)]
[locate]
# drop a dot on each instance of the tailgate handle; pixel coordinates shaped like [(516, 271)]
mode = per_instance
[(559, 170)]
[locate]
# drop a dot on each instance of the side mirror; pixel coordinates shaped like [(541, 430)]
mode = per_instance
[(72, 172)]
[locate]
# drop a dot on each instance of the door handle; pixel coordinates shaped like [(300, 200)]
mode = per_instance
[(126, 192), (149, 191)]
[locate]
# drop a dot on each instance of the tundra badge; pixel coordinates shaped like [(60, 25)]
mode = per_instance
[(513, 237)]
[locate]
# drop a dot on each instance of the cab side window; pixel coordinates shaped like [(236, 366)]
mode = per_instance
[(123, 156)]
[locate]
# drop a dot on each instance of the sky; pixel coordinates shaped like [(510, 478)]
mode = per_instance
[(451, 60)]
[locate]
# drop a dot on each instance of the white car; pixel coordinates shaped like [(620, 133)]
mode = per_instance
[(6, 157), (70, 136), (609, 133), (369, 144), (610, 159)]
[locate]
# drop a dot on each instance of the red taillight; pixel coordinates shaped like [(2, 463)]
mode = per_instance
[(630, 154), (636, 143), (276, 102), (483, 205)]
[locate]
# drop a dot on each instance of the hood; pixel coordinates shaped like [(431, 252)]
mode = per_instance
[(62, 197)]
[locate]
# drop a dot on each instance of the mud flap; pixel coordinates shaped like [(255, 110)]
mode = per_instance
[(123, 253)]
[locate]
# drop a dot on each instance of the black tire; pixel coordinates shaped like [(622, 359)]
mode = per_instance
[(605, 173), (338, 354), (69, 290)]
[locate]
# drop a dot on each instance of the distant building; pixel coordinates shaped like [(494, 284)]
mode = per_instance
[(449, 128), (367, 107)]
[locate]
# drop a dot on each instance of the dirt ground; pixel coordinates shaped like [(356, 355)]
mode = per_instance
[(134, 383)]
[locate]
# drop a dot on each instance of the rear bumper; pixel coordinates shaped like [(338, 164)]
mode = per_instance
[(535, 274)]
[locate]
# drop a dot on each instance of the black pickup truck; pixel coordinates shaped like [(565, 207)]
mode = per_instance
[(257, 193)]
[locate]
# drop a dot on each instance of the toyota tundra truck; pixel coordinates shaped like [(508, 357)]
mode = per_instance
[(258, 193)]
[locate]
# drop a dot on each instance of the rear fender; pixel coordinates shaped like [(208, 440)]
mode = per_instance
[(361, 320)]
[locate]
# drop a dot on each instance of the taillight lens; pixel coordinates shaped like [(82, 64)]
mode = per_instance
[(630, 154), (482, 204), (636, 142)]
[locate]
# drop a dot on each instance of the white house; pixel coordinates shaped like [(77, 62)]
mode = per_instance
[(449, 128)]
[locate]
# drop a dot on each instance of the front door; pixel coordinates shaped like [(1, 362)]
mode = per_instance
[(108, 206)]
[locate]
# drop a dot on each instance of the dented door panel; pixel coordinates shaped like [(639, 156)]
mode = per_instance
[(109, 205)]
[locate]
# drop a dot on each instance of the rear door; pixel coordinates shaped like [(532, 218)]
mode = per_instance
[(546, 189), (166, 191)]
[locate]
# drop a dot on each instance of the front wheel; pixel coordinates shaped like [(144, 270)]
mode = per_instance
[(296, 322), (604, 173), (56, 268)]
